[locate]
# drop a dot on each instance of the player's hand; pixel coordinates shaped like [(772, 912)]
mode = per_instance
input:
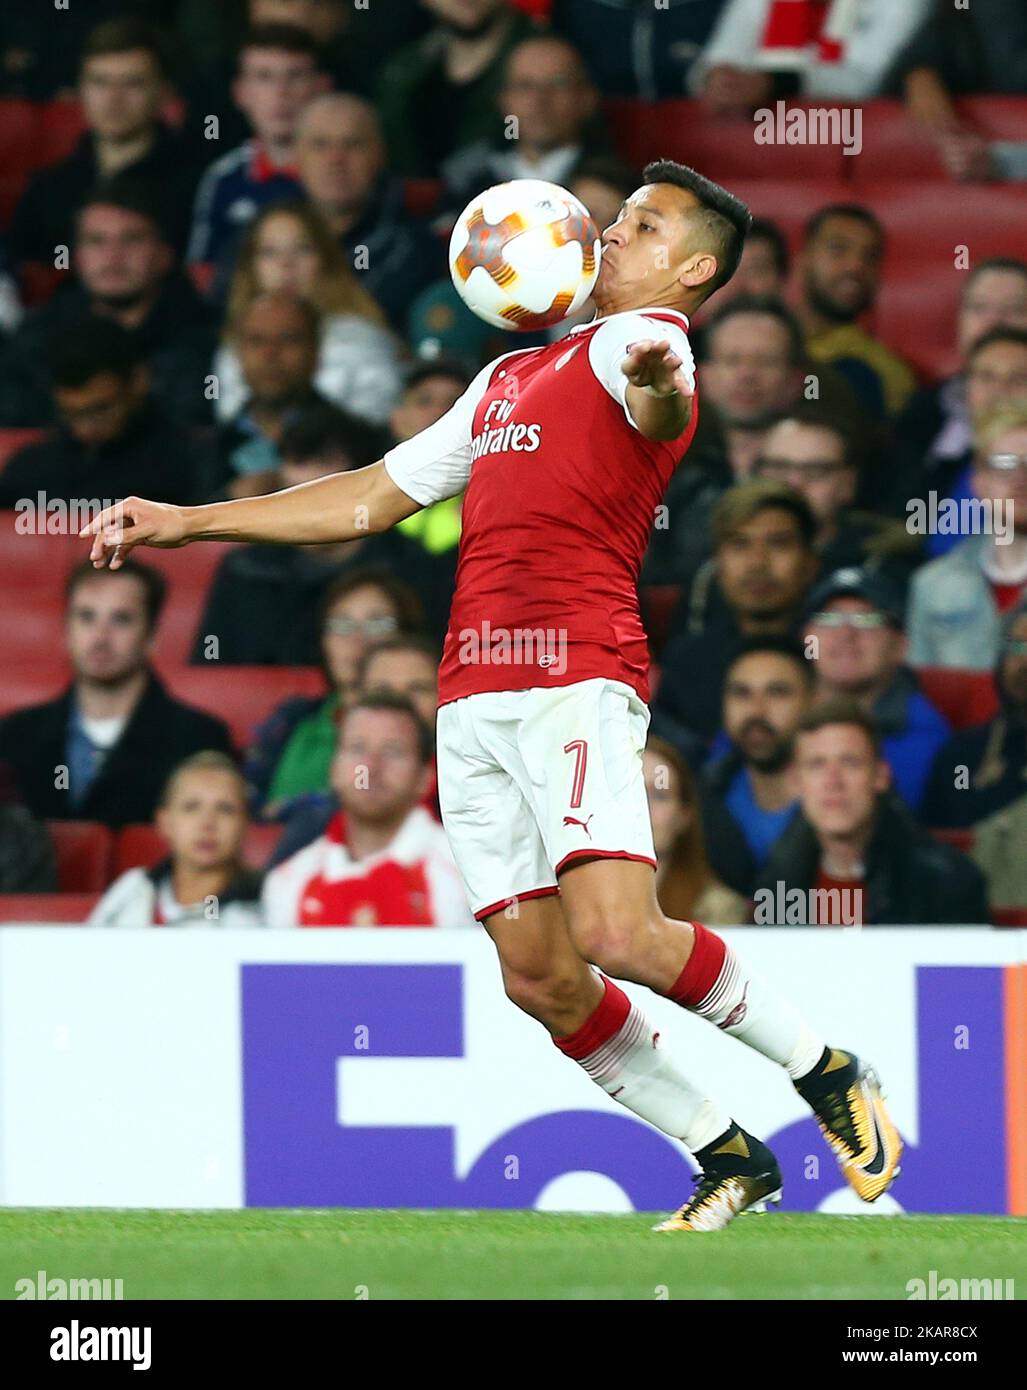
[(652, 363), (120, 528)]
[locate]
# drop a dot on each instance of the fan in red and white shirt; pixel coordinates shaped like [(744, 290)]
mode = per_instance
[(383, 860)]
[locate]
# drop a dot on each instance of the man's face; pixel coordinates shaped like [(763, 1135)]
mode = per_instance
[(546, 90), (119, 255), (602, 200), (355, 622), (997, 375), (409, 673), (994, 299), (121, 94), (757, 272), (292, 472), (852, 656), (764, 566), (1013, 671), (748, 375), (1005, 487), (272, 89), (841, 268), (322, 19), (424, 403), (277, 351), (205, 819), (285, 257), (99, 412), (648, 254), (106, 628), (765, 696), (669, 816), (377, 772), (811, 459), (339, 155), (465, 16), (839, 778)]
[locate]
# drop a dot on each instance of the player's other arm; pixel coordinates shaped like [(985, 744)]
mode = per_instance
[(337, 508), (659, 393)]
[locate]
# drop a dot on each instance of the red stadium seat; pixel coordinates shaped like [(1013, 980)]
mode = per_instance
[(19, 122), (84, 851), (999, 117), (27, 681), (420, 196), (894, 147), (260, 844), (138, 847), (11, 440), (243, 695), (963, 840), (965, 698), (202, 273), (70, 909), (60, 128), (189, 574), (1009, 916)]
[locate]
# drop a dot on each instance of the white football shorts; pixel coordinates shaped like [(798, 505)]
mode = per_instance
[(530, 780)]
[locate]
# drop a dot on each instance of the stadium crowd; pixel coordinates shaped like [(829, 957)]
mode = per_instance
[(223, 271)]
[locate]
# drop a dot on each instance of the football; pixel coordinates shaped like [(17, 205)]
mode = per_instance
[(524, 254)]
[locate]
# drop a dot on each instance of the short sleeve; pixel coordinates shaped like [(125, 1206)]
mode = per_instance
[(436, 463), (610, 344)]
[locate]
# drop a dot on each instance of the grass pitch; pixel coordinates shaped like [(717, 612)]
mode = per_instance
[(285, 1254)]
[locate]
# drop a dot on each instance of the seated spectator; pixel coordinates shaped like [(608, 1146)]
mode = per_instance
[(766, 49), (547, 124), (765, 561), (289, 250), (748, 793), (932, 437), (279, 73), (957, 601), (764, 268), (293, 749), (439, 93), (203, 882), (112, 440), (855, 853), (627, 53), (854, 632), (841, 267), (28, 863), (686, 886), (340, 159), (125, 271), (961, 49), (123, 89), (383, 860), (407, 665), (286, 584), (430, 389), (603, 184), (277, 338), (811, 451), (103, 749), (982, 770), (753, 371)]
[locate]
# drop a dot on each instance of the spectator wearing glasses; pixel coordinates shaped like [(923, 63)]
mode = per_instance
[(957, 601), (293, 749), (854, 636), (854, 846)]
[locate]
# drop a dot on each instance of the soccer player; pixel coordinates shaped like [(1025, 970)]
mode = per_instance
[(564, 452)]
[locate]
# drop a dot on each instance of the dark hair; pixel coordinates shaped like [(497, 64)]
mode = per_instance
[(152, 581), (130, 194), (424, 368), (763, 229), (996, 263), (608, 169), (397, 704), (841, 709), (688, 872), (768, 305), (287, 38), (746, 500), (409, 608), (855, 212), (774, 645), (322, 428), (308, 311), (126, 34), (1017, 336), (90, 348), (725, 219), (815, 415), (406, 642)]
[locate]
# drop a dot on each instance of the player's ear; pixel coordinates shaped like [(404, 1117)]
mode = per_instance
[(698, 270)]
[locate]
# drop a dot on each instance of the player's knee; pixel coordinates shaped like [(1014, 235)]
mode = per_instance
[(605, 937), (549, 995)]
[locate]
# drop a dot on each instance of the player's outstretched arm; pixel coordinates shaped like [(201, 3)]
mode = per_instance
[(659, 392), (337, 508)]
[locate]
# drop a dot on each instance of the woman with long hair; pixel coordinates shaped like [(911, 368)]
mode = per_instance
[(288, 247), (685, 885)]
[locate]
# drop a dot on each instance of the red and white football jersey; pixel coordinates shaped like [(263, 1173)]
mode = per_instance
[(561, 494), (412, 882)]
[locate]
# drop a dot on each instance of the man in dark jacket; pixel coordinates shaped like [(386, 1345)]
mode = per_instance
[(854, 857), (104, 748)]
